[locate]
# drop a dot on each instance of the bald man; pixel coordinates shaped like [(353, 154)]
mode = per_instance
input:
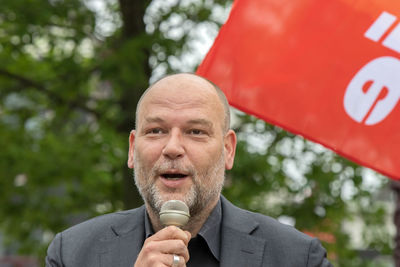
[(180, 150)]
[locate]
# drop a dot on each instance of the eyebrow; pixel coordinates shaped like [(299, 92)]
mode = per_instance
[(204, 122), (201, 122), (154, 119)]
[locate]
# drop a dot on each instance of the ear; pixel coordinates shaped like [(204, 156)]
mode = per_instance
[(230, 149), (131, 148)]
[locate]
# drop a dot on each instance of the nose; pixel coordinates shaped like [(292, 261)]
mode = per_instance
[(174, 149)]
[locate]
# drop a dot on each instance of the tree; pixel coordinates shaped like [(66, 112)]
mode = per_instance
[(300, 182), (70, 79)]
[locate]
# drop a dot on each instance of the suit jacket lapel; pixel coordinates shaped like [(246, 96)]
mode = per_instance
[(238, 246), (120, 246)]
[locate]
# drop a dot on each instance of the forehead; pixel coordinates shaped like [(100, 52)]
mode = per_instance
[(181, 92)]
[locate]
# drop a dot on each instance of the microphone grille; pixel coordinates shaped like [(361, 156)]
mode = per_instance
[(175, 205), (174, 212)]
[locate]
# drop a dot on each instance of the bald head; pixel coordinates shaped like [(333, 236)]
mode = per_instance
[(185, 82)]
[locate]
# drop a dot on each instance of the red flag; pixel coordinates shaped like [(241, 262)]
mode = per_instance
[(328, 70)]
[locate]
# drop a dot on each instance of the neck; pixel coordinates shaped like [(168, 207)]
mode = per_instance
[(195, 222)]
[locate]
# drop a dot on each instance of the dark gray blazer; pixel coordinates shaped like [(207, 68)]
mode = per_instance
[(247, 239)]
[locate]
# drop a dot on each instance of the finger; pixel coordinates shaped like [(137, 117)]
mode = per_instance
[(168, 260), (189, 236), (157, 259), (171, 232), (155, 252), (174, 246), (180, 263)]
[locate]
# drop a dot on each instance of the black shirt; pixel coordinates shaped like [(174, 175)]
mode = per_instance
[(204, 249)]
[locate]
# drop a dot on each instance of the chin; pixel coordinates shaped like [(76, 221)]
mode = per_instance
[(173, 196)]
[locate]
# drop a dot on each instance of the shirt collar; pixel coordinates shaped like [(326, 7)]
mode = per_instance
[(210, 231), (148, 228)]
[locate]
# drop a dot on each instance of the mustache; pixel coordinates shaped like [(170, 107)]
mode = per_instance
[(177, 166)]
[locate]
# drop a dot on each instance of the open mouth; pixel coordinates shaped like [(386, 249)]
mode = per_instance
[(173, 176)]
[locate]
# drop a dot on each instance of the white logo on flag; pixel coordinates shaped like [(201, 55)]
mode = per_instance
[(375, 90)]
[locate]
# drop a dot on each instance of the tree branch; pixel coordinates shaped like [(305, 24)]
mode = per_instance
[(39, 87)]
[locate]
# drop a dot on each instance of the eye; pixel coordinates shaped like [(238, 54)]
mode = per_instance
[(196, 132), (155, 131)]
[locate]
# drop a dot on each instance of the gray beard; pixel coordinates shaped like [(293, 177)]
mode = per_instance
[(198, 197)]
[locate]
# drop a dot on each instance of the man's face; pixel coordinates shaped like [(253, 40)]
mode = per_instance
[(180, 150)]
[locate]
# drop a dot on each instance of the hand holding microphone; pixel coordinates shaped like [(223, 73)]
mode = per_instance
[(169, 245)]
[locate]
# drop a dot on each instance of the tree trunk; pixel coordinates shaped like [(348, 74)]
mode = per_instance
[(132, 13)]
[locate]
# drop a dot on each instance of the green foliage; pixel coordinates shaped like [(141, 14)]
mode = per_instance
[(68, 93), (287, 177)]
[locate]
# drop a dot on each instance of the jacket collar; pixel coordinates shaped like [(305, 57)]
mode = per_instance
[(238, 246), (120, 246)]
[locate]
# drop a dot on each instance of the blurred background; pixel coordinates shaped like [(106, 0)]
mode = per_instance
[(71, 73)]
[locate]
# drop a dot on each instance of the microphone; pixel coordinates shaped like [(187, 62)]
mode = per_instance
[(174, 212)]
